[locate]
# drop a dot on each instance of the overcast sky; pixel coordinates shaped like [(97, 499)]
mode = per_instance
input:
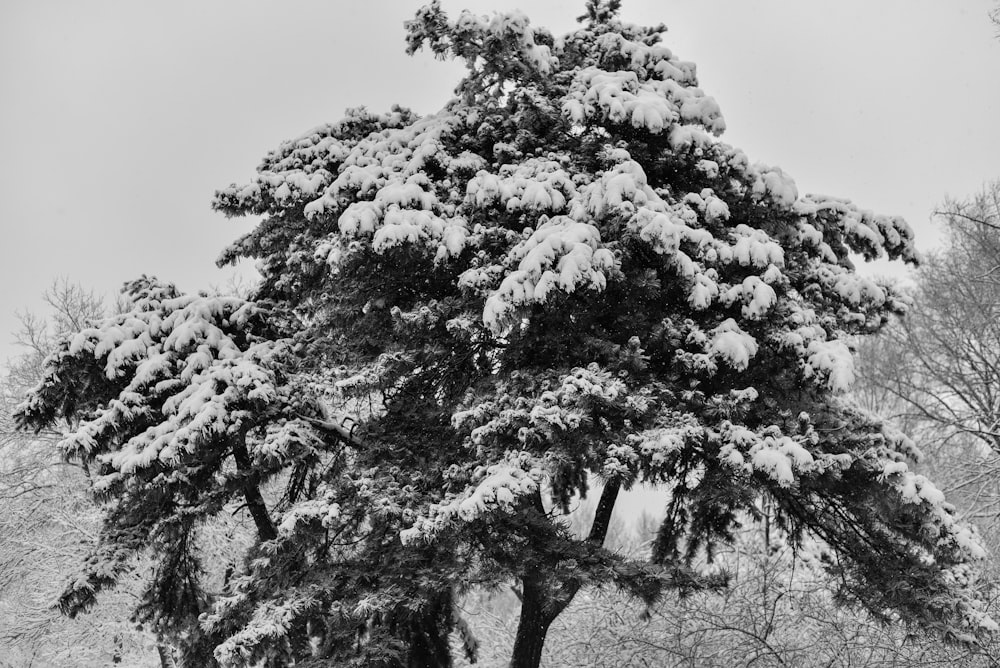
[(118, 120)]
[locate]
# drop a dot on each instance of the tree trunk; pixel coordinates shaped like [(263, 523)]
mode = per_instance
[(541, 603), (533, 625), (166, 653), (428, 640), (251, 492)]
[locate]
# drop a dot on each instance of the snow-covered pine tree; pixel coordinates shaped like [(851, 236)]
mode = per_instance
[(465, 317), (168, 399)]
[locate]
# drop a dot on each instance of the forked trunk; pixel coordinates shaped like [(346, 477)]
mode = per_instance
[(533, 626), (542, 602)]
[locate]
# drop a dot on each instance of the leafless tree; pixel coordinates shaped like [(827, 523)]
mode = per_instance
[(47, 520), (938, 369)]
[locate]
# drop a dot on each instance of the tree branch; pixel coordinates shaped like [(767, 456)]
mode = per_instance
[(602, 516), (336, 430), (251, 492)]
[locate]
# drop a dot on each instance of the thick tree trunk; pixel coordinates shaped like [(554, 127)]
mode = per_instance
[(533, 625), (541, 602), (251, 492)]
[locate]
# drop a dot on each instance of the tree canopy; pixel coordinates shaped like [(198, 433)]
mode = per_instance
[(466, 318)]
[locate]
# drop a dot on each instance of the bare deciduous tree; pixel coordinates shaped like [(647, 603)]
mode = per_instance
[(942, 361), (47, 520), (938, 369)]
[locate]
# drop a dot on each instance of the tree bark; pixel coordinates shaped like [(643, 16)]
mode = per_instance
[(541, 603), (533, 625), (166, 654), (251, 492)]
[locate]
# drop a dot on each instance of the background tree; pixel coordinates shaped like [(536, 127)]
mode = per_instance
[(466, 317), (938, 369), (47, 519)]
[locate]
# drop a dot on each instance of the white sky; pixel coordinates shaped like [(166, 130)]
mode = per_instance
[(118, 120)]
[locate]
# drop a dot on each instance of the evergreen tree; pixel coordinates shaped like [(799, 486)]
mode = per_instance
[(465, 317)]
